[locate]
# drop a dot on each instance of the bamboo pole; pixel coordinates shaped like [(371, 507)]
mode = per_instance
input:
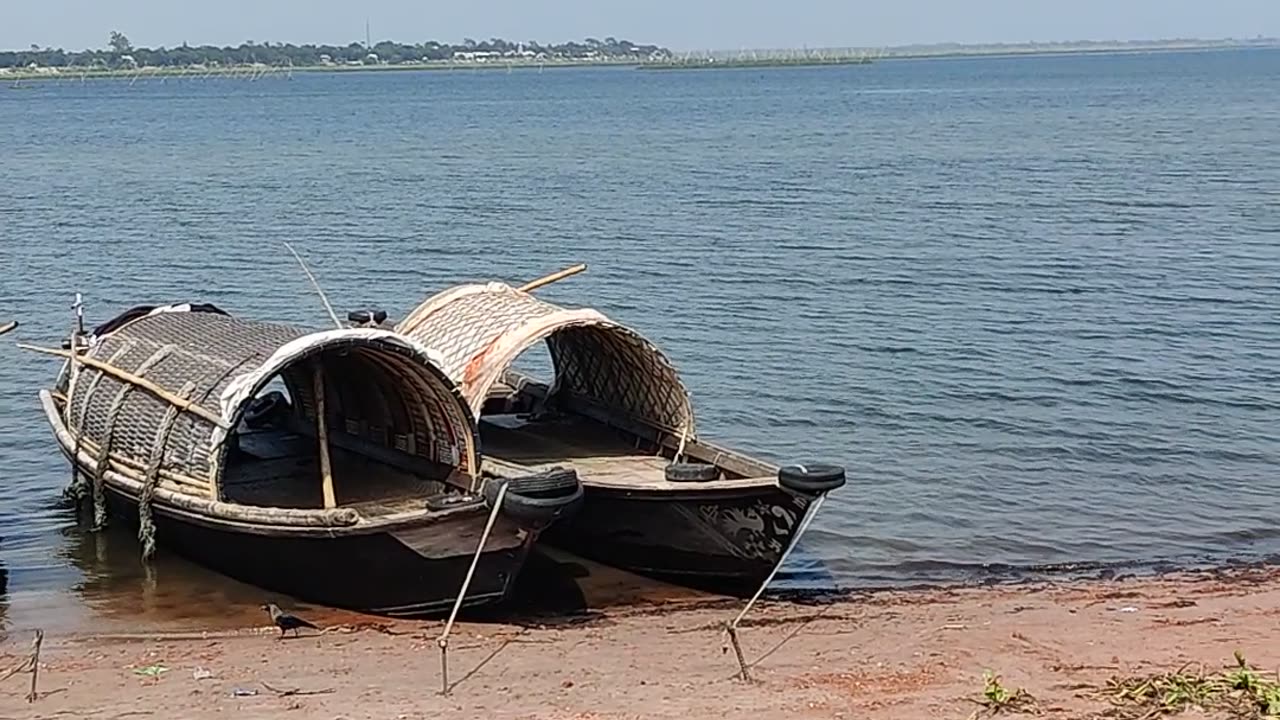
[(553, 277), (126, 376), (443, 640), (322, 431)]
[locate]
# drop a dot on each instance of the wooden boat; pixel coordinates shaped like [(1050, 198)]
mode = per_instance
[(659, 500), (341, 467)]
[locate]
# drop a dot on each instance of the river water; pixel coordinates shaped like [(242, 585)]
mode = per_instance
[(1032, 304)]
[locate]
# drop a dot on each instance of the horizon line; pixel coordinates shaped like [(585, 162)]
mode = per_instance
[(1257, 39)]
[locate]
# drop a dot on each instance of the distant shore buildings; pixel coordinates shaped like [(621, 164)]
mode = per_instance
[(123, 56)]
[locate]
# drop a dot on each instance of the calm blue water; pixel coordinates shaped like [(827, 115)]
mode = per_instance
[(1032, 304)]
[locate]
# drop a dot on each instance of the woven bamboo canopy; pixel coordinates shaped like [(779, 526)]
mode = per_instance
[(165, 390), (480, 330)]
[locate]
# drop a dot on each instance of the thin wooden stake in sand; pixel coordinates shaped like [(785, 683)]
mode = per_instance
[(31, 664), (732, 627), (35, 665)]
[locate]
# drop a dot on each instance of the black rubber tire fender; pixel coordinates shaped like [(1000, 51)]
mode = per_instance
[(366, 317), (812, 478), (691, 472), (536, 501)]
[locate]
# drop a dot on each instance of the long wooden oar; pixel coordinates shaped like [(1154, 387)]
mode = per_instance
[(7, 327), (553, 277)]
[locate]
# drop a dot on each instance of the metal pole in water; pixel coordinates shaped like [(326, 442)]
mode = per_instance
[(78, 306), (73, 368)]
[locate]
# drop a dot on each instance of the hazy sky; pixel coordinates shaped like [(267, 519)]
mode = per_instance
[(679, 24)]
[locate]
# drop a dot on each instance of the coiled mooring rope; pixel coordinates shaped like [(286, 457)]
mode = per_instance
[(79, 487), (101, 462)]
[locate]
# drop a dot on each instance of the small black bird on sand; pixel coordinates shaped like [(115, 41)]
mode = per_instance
[(285, 621)]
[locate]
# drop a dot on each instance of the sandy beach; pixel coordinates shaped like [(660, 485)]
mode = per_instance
[(908, 654)]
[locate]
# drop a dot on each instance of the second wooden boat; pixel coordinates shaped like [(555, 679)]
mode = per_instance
[(659, 499)]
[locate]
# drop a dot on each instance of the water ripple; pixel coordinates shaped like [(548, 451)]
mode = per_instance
[(1031, 305)]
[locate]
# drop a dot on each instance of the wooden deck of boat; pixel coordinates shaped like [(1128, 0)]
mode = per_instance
[(592, 449), (283, 470), (601, 456)]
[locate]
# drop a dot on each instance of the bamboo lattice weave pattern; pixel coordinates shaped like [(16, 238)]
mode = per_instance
[(381, 390), (480, 330)]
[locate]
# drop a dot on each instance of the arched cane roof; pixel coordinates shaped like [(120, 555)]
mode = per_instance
[(391, 389), (480, 329)]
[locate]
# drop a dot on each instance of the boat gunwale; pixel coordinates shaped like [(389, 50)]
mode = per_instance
[(657, 488), (233, 516)]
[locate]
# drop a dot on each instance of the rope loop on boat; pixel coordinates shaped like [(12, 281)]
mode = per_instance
[(100, 462), (684, 439), (151, 477), (104, 451), (79, 488)]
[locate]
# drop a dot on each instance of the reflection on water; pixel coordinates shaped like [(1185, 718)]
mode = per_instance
[(117, 593), (121, 593)]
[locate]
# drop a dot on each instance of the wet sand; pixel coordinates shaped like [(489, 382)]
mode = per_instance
[(908, 654)]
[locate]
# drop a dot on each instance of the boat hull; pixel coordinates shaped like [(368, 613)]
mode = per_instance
[(723, 541), (379, 573), (410, 568)]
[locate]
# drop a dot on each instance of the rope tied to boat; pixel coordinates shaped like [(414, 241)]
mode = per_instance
[(77, 489), (102, 461), (151, 478), (684, 440), (80, 485)]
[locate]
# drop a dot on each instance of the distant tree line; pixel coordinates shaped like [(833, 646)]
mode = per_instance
[(120, 52)]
